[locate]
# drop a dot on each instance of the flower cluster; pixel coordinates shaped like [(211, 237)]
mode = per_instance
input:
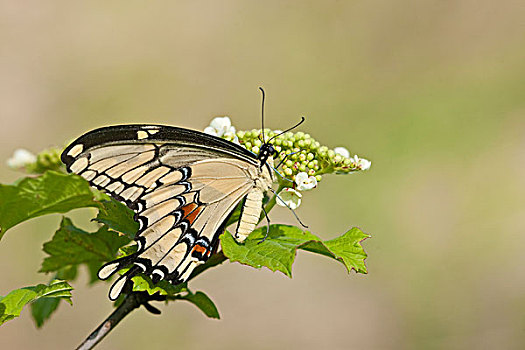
[(301, 159), (48, 159)]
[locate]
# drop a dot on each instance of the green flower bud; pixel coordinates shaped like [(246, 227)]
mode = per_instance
[(287, 171), (255, 149), (310, 156)]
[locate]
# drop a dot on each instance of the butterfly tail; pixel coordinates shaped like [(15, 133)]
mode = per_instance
[(120, 283)]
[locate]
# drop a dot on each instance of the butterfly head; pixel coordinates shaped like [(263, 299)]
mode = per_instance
[(266, 151)]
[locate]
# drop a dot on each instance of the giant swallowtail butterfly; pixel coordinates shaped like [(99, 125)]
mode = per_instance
[(182, 185)]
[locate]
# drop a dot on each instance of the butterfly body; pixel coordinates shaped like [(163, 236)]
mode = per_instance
[(182, 185)]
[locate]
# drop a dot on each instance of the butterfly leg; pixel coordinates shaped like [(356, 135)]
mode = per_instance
[(267, 226), (286, 204)]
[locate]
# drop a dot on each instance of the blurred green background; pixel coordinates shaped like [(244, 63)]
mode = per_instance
[(431, 91)]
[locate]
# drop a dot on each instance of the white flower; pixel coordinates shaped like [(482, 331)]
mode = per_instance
[(221, 126), (361, 163), (290, 198), (342, 152), (21, 158), (305, 182)]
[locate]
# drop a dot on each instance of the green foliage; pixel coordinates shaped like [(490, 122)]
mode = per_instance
[(203, 302), (41, 309), (72, 246), (35, 196), (11, 305), (278, 251), (118, 217), (142, 283)]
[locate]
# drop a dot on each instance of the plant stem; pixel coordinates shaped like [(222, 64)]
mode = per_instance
[(130, 303)]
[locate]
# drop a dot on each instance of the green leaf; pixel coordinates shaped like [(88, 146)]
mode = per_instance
[(117, 217), (279, 249), (142, 283), (35, 196), (41, 309), (73, 246), (203, 302), (11, 305), (346, 249)]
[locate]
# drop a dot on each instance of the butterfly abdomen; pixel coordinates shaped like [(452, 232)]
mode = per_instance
[(250, 214)]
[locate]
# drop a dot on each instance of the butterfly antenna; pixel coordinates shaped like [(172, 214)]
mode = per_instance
[(293, 127), (262, 112), (293, 212), (284, 159)]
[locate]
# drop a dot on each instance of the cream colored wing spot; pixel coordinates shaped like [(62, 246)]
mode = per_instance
[(114, 151), (79, 165), (157, 212), (108, 270), (116, 288), (160, 195), (174, 176), (107, 163), (132, 193), (76, 150), (132, 163), (89, 175), (192, 265), (101, 180), (153, 131), (155, 231), (149, 178), (174, 257), (133, 175), (115, 187), (157, 251), (141, 134)]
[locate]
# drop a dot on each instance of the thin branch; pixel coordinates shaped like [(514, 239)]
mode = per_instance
[(130, 303)]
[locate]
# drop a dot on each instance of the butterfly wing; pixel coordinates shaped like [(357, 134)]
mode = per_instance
[(182, 185)]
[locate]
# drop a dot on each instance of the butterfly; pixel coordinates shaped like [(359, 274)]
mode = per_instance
[(182, 185)]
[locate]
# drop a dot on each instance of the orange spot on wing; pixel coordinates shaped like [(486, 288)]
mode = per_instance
[(191, 211), (188, 208), (199, 249)]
